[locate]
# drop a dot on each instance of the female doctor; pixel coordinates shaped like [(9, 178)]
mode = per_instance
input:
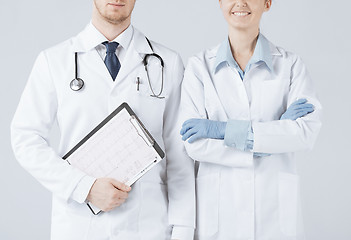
[(254, 106)]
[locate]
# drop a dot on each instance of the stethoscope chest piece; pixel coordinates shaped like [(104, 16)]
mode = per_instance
[(77, 84)]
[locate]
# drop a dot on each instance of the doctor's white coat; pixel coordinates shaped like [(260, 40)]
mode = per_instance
[(240, 196), (160, 199)]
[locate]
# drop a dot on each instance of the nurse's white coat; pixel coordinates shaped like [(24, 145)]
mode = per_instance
[(240, 196)]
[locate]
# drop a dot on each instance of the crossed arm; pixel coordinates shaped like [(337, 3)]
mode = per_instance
[(239, 133)]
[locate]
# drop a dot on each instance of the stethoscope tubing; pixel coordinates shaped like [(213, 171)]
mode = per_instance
[(147, 73), (77, 83)]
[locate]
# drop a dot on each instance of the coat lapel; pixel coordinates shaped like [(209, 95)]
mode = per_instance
[(134, 56), (84, 43)]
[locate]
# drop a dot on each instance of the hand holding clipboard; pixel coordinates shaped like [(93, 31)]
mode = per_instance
[(120, 147)]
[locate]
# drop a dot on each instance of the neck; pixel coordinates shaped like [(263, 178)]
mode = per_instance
[(109, 30), (243, 42)]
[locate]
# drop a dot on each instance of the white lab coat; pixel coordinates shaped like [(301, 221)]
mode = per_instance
[(240, 196), (163, 197)]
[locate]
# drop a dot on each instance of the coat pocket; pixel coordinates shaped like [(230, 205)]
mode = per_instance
[(153, 218), (274, 94), (207, 195), (70, 220), (288, 203)]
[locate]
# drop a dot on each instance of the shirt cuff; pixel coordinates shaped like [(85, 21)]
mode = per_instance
[(237, 133), (182, 233), (250, 139), (82, 190)]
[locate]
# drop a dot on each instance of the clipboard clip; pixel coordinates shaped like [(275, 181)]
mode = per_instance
[(142, 132)]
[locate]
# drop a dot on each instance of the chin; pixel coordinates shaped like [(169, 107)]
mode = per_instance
[(239, 25), (116, 19)]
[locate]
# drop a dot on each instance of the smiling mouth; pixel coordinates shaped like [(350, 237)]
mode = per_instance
[(241, 14)]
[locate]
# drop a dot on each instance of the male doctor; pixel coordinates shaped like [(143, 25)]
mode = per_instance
[(110, 54)]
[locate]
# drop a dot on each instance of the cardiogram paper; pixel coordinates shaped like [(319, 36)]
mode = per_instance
[(117, 150)]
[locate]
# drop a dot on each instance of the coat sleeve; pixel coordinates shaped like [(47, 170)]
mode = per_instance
[(180, 168), (282, 136), (30, 128), (193, 106)]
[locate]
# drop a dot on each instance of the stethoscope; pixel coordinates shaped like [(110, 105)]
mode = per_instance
[(77, 83)]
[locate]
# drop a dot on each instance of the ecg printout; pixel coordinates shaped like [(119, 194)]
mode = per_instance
[(119, 150)]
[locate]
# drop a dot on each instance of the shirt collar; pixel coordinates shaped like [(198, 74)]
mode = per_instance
[(125, 37), (262, 52), (90, 37)]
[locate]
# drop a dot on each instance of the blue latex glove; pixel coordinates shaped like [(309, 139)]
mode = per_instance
[(297, 109), (194, 129)]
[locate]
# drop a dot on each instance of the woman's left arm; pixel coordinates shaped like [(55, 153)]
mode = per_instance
[(287, 135)]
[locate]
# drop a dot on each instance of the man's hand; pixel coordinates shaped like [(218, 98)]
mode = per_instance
[(108, 193)]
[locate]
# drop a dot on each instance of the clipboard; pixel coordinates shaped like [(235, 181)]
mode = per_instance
[(119, 147)]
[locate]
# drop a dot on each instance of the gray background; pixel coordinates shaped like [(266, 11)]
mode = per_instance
[(316, 30)]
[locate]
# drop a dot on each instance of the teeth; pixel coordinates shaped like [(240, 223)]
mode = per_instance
[(241, 13)]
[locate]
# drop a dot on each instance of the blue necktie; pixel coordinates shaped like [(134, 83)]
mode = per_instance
[(111, 61)]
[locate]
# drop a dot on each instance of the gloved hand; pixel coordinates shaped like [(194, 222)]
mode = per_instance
[(194, 129), (297, 109)]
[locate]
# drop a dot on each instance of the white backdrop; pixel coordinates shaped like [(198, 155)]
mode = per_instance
[(319, 31)]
